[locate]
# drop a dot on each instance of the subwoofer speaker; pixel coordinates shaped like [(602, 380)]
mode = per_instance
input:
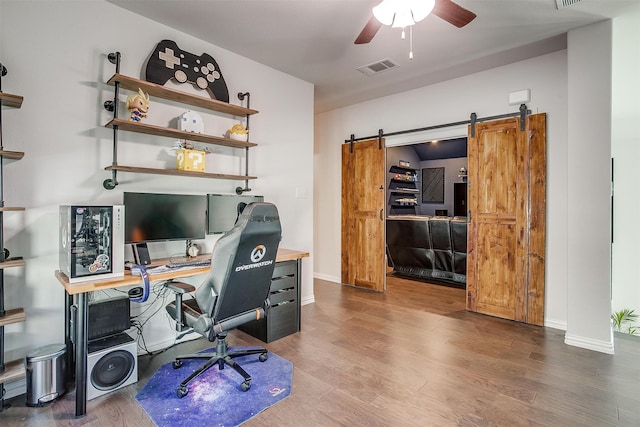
[(112, 364)]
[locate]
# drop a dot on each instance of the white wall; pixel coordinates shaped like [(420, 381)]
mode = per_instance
[(485, 93), (626, 153), (577, 89), (588, 192), (56, 56)]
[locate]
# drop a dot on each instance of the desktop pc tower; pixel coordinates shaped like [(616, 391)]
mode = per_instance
[(91, 242)]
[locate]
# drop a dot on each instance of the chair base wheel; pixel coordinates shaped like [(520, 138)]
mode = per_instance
[(177, 364), (246, 385), (182, 392), (263, 357)]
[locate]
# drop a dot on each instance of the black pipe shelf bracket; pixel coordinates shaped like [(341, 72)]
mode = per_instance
[(239, 189), (112, 106)]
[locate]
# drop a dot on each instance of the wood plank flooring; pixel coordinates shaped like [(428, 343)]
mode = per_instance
[(409, 357)]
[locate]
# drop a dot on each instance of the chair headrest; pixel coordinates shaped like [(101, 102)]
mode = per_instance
[(260, 211)]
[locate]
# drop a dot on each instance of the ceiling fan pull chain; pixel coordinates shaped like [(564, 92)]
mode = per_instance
[(411, 42)]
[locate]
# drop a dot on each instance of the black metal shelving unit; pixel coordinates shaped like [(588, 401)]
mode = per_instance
[(403, 191), (12, 370)]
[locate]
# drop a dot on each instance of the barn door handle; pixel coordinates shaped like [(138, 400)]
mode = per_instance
[(381, 217)]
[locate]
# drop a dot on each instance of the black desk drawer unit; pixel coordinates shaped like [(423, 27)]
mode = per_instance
[(283, 316)]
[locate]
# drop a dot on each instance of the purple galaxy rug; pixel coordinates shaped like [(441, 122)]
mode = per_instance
[(215, 398)]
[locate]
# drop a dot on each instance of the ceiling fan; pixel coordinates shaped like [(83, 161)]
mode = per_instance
[(445, 9)]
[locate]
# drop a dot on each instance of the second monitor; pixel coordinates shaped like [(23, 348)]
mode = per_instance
[(152, 217), (223, 210)]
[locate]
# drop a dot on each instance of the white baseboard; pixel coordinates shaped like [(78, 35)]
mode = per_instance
[(308, 300), (327, 277), (589, 344), (555, 325)]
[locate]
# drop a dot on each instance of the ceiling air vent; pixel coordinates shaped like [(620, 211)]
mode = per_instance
[(377, 67), (565, 3)]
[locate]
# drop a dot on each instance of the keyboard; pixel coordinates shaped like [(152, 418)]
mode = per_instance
[(189, 263)]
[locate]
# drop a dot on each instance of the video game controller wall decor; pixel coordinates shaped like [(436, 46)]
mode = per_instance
[(168, 61)]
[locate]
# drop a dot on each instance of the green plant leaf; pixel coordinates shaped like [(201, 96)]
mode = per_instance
[(622, 317)]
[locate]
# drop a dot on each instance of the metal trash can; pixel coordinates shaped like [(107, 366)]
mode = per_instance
[(45, 368)]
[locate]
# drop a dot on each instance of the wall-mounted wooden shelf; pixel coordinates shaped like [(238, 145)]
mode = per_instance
[(8, 100), (177, 172), (13, 155), (12, 263), (13, 371), (405, 191), (15, 315), (174, 95), (120, 81), (175, 133)]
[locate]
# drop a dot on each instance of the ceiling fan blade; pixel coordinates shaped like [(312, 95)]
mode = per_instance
[(369, 30), (453, 13)]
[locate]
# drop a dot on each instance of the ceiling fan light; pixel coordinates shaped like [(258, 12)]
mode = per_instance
[(421, 8), (402, 13), (403, 19), (385, 12)]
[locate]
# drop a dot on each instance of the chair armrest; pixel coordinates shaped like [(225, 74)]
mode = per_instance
[(179, 287)]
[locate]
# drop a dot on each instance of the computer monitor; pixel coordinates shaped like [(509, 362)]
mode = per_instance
[(153, 217), (223, 210)]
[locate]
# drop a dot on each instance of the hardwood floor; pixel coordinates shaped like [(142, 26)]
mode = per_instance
[(411, 356)]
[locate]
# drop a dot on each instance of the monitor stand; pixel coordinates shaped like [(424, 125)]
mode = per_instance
[(141, 254)]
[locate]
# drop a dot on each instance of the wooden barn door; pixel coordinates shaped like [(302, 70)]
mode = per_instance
[(506, 239), (363, 262)]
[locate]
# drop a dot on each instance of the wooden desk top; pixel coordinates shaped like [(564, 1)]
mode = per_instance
[(129, 280)]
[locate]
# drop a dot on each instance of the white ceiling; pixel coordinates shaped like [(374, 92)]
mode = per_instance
[(313, 39)]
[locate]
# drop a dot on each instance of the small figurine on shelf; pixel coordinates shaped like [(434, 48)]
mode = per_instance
[(190, 121), (183, 144), (138, 105), (238, 132)]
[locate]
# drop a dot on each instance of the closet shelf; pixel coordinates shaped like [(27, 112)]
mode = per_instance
[(175, 133), (8, 100), (137, 169), (153, 89), (11, 209)]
